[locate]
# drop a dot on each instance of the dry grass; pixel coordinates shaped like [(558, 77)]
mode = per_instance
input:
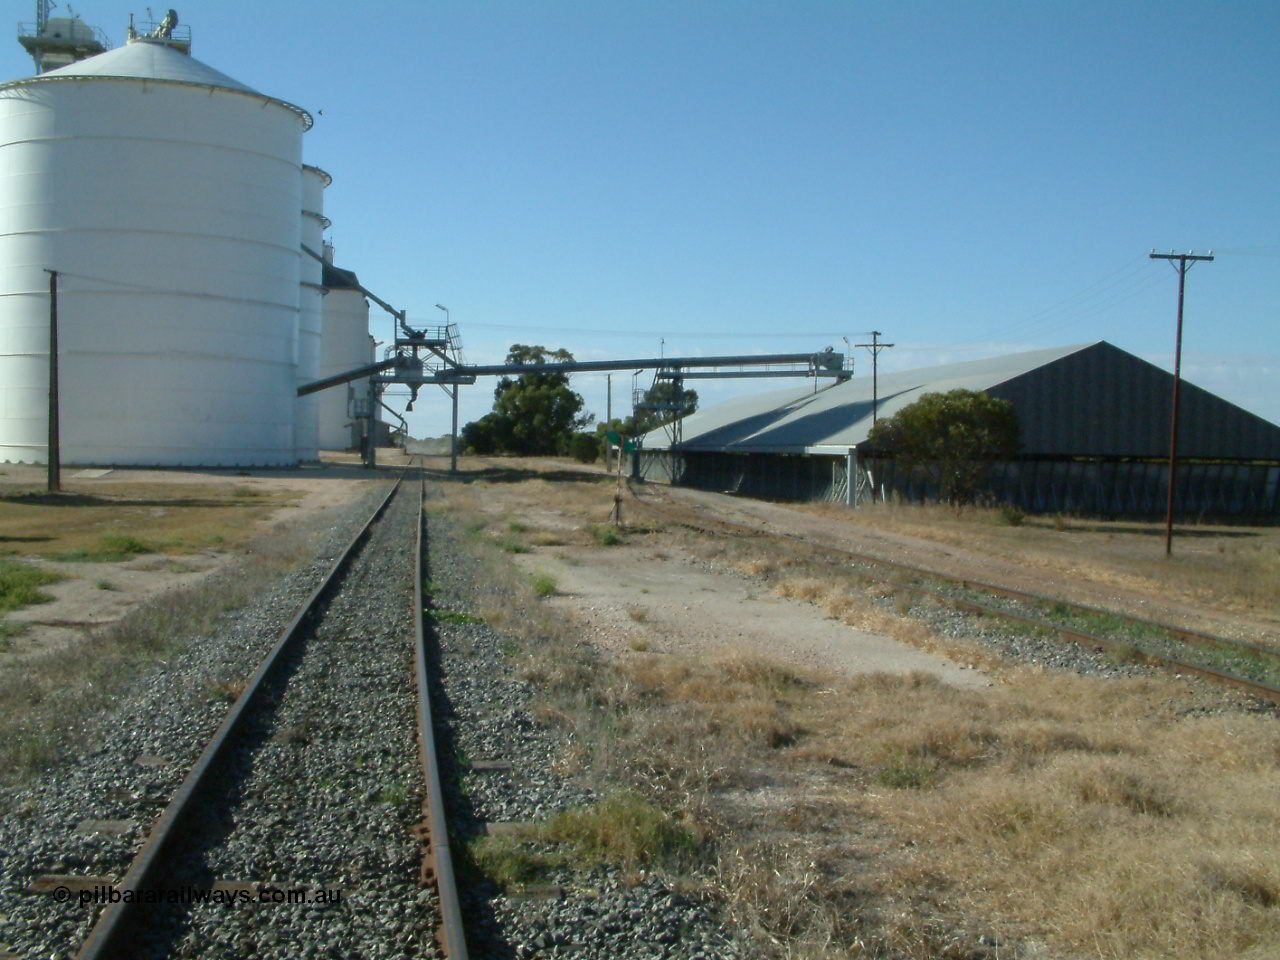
[(86, 520), (1228, 568), (1068, 809), (907, 816), (47, 700)]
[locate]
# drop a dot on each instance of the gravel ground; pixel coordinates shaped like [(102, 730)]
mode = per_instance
[(137, 755), (487, 717), (1050, 652)]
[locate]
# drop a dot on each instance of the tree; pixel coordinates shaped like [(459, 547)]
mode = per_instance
[(480, 436), (955, 437), (534, 414), (584, 447), (665, 392)]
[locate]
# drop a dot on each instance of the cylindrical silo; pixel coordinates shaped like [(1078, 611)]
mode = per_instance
[(345, 345), (166, 194), (310, 296)]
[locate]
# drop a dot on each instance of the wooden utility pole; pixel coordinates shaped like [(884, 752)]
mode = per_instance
[(875, 346), (54, 452), (617, 493), (1181, 262)]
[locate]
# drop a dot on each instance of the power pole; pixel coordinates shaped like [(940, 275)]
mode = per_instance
[(54, 452), (608, 414), (875, 346), (1181, 263), (453, 436)]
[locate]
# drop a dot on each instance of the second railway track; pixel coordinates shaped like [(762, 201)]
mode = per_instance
[(304, 809), (1248, 667)]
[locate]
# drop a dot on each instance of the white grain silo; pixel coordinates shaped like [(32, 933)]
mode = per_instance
[(167, 196), (310, 304), (345, 345)]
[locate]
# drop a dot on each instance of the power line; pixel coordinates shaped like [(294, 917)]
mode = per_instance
[(1087, 302), (649, 334)]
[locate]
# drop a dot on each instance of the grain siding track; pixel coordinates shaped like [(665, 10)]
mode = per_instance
[(1190, 639), (318, 788)]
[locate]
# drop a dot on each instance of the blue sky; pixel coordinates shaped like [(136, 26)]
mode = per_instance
[(743, 176)]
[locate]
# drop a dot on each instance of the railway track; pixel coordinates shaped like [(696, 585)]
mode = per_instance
[(294, 831), (1249, 667)]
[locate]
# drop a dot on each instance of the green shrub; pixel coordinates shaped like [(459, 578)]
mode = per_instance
[(1012, 515), (606, 535), (123, 543)]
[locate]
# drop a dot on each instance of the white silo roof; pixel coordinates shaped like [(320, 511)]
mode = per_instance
[(141, 60)]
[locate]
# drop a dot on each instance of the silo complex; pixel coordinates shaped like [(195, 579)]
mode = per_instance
[(310, 299), (167, 195), (345, 345)]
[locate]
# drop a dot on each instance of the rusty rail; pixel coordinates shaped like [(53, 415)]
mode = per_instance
[(115, 933), (747, 534), (438, 868)]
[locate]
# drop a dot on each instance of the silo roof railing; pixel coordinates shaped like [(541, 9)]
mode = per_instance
[(155, 63)]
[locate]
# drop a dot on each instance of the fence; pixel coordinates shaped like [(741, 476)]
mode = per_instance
[(1085, 486)]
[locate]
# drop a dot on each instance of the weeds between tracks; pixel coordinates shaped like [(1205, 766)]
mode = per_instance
[(897, 816)]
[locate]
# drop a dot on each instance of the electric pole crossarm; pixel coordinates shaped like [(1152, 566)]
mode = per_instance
[(875, 346), (1184, 257)]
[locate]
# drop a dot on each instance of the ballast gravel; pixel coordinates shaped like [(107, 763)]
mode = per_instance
[(509, 776), (331, 787), (134, 757)]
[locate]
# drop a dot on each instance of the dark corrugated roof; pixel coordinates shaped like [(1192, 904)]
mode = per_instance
[(335, 278), (1087, 400), (1104, 401)]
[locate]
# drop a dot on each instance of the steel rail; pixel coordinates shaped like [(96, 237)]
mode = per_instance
[(438, 867), (115, 933), (750, 534)]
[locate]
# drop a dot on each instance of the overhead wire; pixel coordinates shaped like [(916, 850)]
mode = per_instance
[(649, 334), (1085, 303)]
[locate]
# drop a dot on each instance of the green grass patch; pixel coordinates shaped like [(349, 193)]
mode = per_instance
[(20, 585), (515, 526), (455, 617), (507, 545), (394, 795), (544, 585), (606, 535), (116, 548), (904, 776)]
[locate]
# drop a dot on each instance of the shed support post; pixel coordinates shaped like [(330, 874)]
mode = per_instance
[(370, 428), (851, 479)]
